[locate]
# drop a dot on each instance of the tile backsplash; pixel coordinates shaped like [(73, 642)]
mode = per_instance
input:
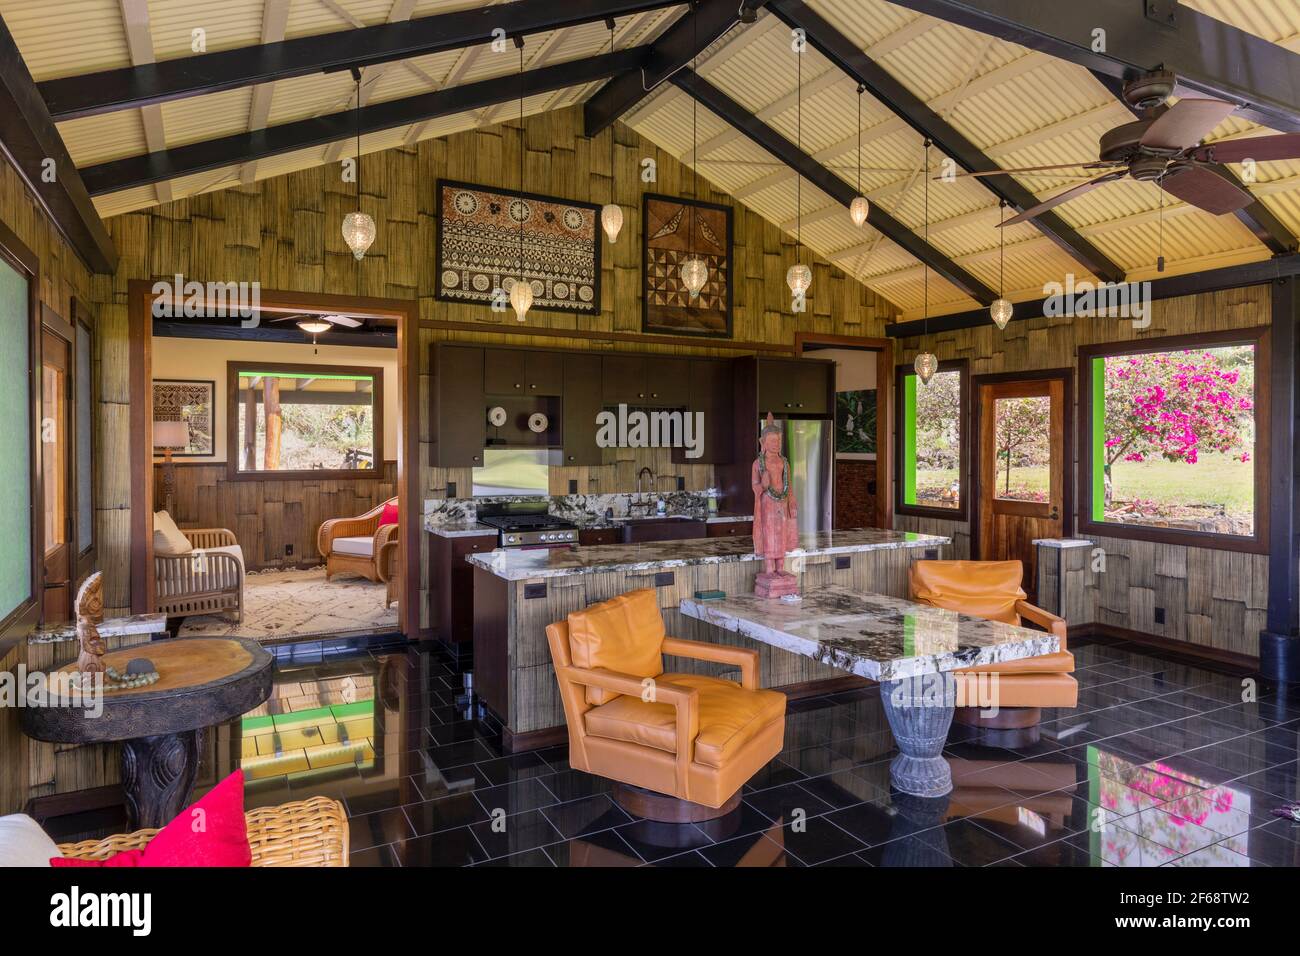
[(579, 508)]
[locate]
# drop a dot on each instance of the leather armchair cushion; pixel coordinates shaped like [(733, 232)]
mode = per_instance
[(1062, 662), (730, 717), (988, 589), (1024, 690), (624, 634)]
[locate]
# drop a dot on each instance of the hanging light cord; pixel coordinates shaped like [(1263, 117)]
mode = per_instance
[(925, 315), (522, 147), (611, 125), (860, 89), (1002, 233), (356, 73), (798, 187), (695, 136)]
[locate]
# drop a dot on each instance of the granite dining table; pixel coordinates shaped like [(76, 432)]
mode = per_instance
[(911, 649)]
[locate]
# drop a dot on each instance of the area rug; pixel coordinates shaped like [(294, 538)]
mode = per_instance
[(297, 604)]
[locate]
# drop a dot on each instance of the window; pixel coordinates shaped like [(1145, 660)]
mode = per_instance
[(85, 455), (1022, 429), (291, 420), (932, 442), (1173, 430), (19, 557)]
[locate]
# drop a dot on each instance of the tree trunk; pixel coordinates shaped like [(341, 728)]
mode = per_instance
[(271, 401), (250, 429), (1007, 485)]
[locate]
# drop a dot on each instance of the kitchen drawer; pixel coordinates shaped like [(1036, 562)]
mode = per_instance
[(597, 536), (730, 529)]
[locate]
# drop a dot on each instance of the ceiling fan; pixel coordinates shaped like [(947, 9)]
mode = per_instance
[(316, 324), (1165, 147)]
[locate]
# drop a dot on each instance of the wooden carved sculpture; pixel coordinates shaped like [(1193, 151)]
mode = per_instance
[(776, 527), (89, 610)]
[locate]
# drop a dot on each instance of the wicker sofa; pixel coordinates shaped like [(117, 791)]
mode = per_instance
[(208, 580), (356, 544), (310, 832)]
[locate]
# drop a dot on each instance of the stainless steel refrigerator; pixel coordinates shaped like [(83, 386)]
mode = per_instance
[(809, 443)]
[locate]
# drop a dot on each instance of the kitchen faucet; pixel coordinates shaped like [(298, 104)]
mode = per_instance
[(646, 470)]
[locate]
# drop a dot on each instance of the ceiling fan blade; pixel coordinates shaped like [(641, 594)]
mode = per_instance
[(1186, 123), (1204, 188), (344, 320), (1258, 148), (286, 318), (1072, 193), (1031, 169)]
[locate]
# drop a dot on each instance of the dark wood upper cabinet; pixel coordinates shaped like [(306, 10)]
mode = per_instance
[(710, 391), (795, 386), (624, 379), (459, 406), (668, 381), (503, 372), (582, 403), (543, 373)]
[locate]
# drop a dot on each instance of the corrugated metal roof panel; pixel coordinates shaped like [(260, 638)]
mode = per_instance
[(68, 38)]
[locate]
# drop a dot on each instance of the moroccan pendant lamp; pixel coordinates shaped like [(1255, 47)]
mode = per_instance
[(521, 293), (859, 209), (611, 214), (798, 277), (926, 363), (358, 228), (694, 272), (1000, 311)]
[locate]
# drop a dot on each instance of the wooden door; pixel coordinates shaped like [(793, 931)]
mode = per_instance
[(56, 475), (1023, 451)]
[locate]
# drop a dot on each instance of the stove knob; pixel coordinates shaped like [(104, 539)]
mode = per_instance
[(546, 537), (511, 538)]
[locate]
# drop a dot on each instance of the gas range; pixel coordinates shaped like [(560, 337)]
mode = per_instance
[(526, 524)]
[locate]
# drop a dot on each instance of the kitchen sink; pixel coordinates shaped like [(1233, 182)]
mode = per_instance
[(662, 528)]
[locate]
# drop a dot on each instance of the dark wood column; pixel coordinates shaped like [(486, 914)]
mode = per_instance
[(1279, 645)]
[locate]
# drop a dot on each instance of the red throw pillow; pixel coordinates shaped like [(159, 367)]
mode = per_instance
[(212, 832), (389, 515)]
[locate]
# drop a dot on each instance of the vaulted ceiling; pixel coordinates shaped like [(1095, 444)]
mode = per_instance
[(745, 111)]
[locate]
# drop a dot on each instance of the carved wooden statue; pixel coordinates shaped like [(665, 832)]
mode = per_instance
[(89, 610), (776, 526)]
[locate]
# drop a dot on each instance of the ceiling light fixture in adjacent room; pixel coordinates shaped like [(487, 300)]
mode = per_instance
[(358, 228)]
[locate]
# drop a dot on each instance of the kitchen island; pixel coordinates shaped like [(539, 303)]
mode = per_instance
[(518, 592)]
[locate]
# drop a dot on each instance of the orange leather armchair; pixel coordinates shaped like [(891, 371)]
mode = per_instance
[(991, 589), (690, 739)]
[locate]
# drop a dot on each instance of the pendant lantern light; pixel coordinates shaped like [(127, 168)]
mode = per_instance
[(694, 271), (1000, 311), (926, 363), (358, 228), (611, 214), (521, 293), (798, 277), (859, 208)]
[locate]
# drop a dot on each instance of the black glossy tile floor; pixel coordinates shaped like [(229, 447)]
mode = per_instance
[(1160, 764)]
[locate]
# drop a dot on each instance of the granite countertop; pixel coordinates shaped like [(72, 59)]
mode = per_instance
[(600, 521), (872, 635), (651, 556), (468, 527), (457, 528), (110, 627)]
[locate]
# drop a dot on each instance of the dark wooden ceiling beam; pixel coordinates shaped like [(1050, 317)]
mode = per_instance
[(132, 87), (132, 171), (818, 175), (897, 98), (1191, 283), (673, 51), (1209, 56), (35, 148)]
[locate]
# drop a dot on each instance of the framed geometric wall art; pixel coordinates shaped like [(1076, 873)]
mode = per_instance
[(477, 247), (190, 401), (672, 229)]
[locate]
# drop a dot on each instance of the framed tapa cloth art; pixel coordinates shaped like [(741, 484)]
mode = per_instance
[(478, 248), (672, 229), (191, 402)]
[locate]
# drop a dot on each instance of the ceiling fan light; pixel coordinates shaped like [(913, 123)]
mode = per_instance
[(315, 326), (926, 365), (611, 220), (1000, 312), (799, 278), (358, 233), (521, 298), (859, 209), (694, 274)]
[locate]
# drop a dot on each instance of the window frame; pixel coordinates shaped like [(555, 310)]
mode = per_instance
[(15, 624), (1257, 543), (86, 559), (235, 367), (964, 416)]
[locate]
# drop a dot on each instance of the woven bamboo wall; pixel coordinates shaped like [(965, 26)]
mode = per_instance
[(1212, 598), (268, 515)]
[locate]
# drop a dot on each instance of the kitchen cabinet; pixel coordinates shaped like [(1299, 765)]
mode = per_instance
[(459, 406), (730, 529), (668, 382), (624, 379), (795, 386), (710, 392), (592, 537), (523, 372), (451, 578), (582, 403)]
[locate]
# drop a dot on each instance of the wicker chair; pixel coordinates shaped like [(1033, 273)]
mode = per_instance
[(310, 832), (205, 581), (390, 572), (359, 542)]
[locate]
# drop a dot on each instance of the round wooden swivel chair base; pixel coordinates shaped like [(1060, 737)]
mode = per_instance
[(651, 805), (1007, 718)]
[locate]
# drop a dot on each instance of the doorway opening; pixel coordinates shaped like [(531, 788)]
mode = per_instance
[(863, 474), (1024, 455)]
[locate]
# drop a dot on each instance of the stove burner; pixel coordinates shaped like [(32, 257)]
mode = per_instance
[(524, 529)]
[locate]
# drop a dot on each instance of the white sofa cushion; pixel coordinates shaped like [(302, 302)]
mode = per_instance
[(24, 843), (361, 546), (167, 538)]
